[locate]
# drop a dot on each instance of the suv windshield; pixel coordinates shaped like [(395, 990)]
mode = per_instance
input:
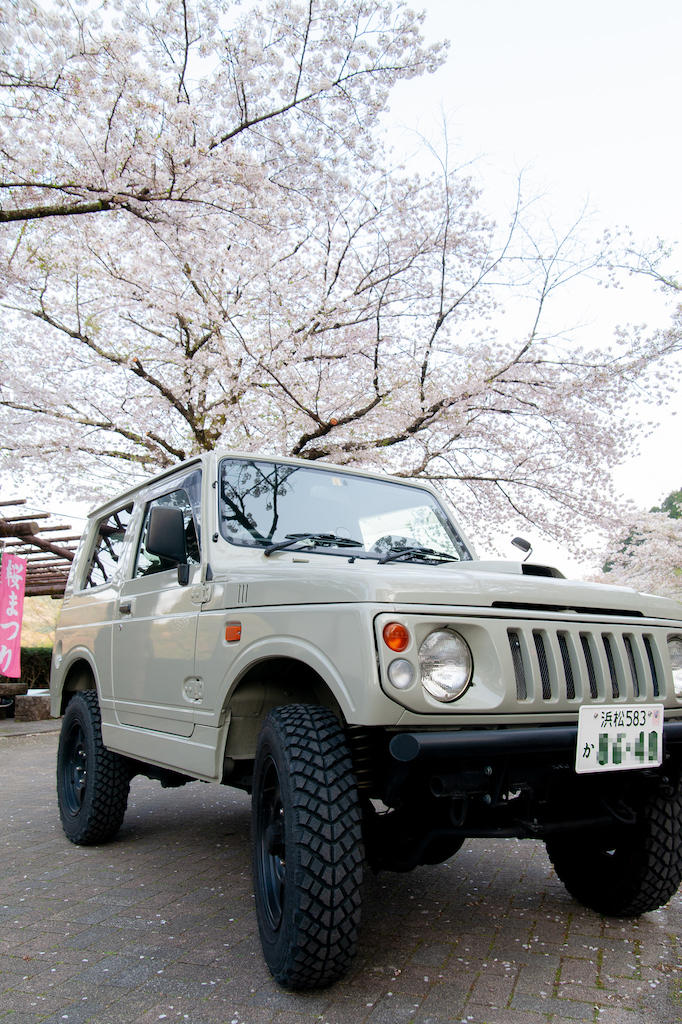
[(268, 503)]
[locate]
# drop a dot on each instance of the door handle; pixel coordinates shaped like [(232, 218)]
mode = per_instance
[(125, 607)]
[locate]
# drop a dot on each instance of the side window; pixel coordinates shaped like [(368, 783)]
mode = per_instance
[(108, 547), (148, 564)]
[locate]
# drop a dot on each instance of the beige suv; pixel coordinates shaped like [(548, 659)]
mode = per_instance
[(327, 640)]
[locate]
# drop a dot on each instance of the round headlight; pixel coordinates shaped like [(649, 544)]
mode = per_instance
[(675, 653), (446, 664)]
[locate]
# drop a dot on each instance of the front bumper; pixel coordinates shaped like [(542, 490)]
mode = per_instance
[(406, 747)]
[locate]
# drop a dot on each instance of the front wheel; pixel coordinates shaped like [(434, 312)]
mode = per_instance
[(92, 781), (625, 870), (306, 847)]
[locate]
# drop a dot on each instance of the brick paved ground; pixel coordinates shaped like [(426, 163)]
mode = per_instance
[(159, 926)]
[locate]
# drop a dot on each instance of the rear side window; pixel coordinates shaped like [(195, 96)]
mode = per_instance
[(108, 547)]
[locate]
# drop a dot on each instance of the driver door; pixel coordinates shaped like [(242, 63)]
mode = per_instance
[(155, 627)]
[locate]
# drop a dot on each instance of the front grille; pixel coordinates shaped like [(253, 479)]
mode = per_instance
[(589, 662), (556, 663), (615, 688), (652, 663), (542, 662), (517, 659), (567, 666)]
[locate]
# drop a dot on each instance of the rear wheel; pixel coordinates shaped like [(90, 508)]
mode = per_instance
[(92, 782), (626, 870), (307, 847)]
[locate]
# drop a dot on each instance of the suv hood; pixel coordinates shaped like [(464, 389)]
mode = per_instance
[(521, 586), (511, 586)]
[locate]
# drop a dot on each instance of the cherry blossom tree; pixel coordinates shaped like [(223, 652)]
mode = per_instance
[(152, 108), (649, 558), (205, 243)]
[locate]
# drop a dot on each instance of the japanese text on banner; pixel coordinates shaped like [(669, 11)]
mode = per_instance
[(12, 586)]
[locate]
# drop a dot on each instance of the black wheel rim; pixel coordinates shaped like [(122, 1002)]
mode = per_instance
[(271, 846), (75, 769)]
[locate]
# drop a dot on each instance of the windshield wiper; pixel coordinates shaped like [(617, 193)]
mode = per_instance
[(427, 554), (328, 540)]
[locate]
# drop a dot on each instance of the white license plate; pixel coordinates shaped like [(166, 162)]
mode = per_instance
[(613, 738)]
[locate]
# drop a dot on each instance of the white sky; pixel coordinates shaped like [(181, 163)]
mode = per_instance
[(584, 99)]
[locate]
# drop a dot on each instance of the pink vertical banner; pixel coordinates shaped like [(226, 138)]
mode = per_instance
[(12, 586)]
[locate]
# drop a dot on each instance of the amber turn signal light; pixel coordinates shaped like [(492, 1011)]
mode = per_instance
[(396, 636), (233, 632)]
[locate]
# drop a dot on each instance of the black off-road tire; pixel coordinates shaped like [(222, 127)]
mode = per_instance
[(92, 782), (625, 871), (306, 847)]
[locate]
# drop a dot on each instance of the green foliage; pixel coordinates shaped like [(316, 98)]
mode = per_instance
[(672, 505), (35, 667)]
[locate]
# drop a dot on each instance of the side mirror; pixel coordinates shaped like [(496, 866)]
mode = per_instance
[(523, 545), (166, 538)]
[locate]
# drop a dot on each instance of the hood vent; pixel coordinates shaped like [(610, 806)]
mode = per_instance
[(541, 570)]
